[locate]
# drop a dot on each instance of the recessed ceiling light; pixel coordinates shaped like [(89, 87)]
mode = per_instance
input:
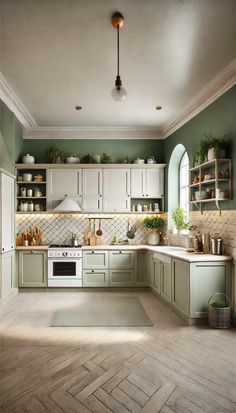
[(78, 107), (158, 107)]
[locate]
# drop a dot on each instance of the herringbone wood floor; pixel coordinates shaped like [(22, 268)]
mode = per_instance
[(165, 368)]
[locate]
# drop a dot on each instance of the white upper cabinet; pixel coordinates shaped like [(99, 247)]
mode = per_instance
[(116, 190), (147, 183), (7, 210), (60, 183), (92, 190)]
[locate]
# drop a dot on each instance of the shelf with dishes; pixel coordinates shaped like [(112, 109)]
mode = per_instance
[(31, 188), (210, 182)]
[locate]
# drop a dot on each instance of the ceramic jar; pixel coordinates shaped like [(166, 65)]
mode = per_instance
[(28, 158), (153, 237), (72, 159)]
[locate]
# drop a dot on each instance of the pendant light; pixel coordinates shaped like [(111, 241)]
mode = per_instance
[(118, 92)]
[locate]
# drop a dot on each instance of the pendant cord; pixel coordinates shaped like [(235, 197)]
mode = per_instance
[(118, 50)]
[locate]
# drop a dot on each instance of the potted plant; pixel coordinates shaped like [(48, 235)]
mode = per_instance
[(210, 148), (179, 218), (153, 223), (54, 153), (106, 158)]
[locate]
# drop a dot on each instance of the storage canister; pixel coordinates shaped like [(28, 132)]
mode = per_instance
[(216, 245)]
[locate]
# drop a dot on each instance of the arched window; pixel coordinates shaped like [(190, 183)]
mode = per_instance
[(184, 182)]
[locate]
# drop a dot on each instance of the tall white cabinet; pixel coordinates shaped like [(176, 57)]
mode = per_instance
[(7, 235)]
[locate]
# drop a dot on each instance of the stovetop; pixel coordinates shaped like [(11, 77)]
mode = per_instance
[(63, 246)]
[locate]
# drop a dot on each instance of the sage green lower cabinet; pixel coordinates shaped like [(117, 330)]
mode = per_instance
[(8, 284), (32, 268), (122, 259), (95, 278), (121, 278), (157, 275), (180, 285), (95, 259), (165, 279), (194, 283), (141, 270)]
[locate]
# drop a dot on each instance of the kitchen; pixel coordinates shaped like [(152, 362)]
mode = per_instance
[(123, 175)]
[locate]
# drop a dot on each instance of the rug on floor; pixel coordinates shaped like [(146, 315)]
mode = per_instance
[(103, 312)]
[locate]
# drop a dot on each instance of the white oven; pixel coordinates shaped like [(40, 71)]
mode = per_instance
[(64, 267)]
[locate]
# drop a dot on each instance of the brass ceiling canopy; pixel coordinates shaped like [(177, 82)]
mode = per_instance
[(117, 20)]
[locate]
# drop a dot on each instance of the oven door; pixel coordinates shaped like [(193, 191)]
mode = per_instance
[(65, 272)]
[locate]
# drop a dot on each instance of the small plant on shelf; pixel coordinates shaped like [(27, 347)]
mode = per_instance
[(106, 158), (54, 153)]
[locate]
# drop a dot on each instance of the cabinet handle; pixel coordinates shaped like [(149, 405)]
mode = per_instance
[(143, 194), (92, 252), (100, 194), (92, 271), (3, 249), (32, 252), (120, 252), (146, 194), (128, 195), (12, 246)]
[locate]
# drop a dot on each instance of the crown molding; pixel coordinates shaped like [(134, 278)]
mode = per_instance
[(211, 92), (13, 102), (92, 133)]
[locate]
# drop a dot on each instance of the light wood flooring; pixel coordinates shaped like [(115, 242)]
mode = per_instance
[(166, 368)]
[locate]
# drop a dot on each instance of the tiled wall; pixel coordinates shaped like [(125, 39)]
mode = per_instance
[(58, 228)]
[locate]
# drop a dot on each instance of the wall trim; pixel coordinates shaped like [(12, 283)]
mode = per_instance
[(211, 92), (13, 102), (92, 133)]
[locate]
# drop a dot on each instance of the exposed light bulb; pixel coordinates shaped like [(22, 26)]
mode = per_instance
[(119, 94)]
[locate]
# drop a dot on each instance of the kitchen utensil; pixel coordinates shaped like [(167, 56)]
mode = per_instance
[(27, 177), (216, 245), (28, 159), (74, 240), (130, 231), (99, 231)]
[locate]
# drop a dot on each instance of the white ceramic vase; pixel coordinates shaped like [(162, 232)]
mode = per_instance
[(212, 154), (153, 237)]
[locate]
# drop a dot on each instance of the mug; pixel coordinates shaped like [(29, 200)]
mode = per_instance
[(23, 191)]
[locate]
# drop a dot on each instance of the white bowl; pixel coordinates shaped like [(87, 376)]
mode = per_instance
[(139, 161), (72, 159), (27, 177)]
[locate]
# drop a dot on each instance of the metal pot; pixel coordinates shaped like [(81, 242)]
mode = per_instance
[(216, 245)]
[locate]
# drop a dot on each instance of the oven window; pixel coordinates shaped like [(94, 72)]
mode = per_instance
[(64, 269)]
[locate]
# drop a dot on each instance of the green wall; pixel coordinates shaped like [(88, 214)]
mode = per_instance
[(118, 149), (218, 118), (11, 141)]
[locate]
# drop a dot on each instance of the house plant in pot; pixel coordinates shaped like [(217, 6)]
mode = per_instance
[(54, 153), (153, 223), (179, 218)]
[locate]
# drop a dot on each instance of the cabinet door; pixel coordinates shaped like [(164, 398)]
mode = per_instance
[(154, 183), (61, 182), (7, 274), (116, 190), (141, 270), (166, 280), (95, 259), (138, 183), (180, 285), (32, 268), (151, 270), (206, 278), (7, 213), (92, 190), (122, 259), (157, 275), (121, 278), (95, 278)]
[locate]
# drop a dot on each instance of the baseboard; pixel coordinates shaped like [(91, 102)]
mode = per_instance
[(81, 289)]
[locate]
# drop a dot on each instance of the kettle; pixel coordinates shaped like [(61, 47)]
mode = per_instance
[(216, 245)]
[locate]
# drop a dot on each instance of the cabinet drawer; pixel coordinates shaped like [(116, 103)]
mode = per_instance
[(121, 278), (95, 278), (122, 259), (95, 259)]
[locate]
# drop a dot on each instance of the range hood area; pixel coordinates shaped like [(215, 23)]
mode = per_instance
[(68, 204)]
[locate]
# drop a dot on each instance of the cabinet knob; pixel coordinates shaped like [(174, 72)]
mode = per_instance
[(128, 195), (120, 252), (143, 194), (32, 252), (92, 271), (146, 194), (92, 252), (100, 195), (3, 249)]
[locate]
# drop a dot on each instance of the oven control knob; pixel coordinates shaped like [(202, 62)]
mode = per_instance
[(65, 254)]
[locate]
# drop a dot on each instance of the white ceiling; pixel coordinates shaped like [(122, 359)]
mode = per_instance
[(59, 53)]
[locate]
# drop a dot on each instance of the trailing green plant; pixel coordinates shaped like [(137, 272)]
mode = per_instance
[(210, 141), (53, 152), (88, 159), (153, 222), (179, 218)]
